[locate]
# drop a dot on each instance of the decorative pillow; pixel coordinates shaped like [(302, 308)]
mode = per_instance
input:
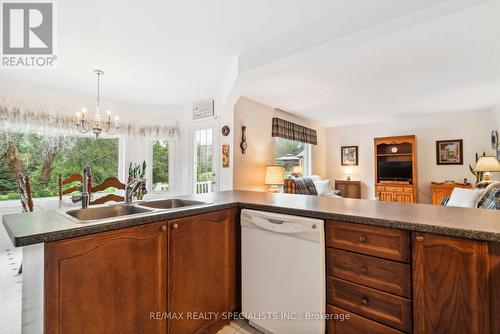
[(323, 188), (465, 198), (488, 200), (444, 201)]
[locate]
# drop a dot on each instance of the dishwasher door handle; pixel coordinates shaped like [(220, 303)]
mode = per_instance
[(275, 221)]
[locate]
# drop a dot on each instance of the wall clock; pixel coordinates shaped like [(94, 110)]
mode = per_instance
[(225, 130)]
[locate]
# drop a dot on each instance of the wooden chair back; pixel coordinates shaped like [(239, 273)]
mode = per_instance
[(110, 182), (73, 178), (24, 187)]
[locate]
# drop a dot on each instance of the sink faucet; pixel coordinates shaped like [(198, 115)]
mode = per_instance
[(87, 174), (85, 195), (131, 189)]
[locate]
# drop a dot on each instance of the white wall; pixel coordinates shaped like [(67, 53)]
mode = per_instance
[(473, 127), (249, 168)]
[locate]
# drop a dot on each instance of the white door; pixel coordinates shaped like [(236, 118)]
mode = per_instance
[(205, 156)]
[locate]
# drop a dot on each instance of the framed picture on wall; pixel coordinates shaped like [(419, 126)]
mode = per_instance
[(349, 155), (449, 152), (225, 156)]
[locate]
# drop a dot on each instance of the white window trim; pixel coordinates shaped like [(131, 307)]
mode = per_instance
[(308, 162), (171, 168)]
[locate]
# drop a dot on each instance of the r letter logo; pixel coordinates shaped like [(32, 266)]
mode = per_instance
[(28, 29)]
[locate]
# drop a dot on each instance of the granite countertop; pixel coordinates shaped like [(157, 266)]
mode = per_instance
[(31, 228)]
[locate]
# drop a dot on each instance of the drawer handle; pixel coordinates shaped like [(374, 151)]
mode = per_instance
[(362, 239), (364, 301), (364, 270)]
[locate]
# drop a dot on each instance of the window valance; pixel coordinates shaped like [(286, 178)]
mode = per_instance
[(292, 131), (43, 121)]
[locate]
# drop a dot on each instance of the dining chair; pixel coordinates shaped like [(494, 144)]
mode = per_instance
[(24, 188), (73, 178), (110, 182)]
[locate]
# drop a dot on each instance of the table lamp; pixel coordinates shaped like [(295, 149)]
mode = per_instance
[(348, 172), (486, 165), (274, 177)]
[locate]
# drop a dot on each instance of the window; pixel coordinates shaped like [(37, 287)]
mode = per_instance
[(203, 161), (292, 155), (43, 158), (161, 166)]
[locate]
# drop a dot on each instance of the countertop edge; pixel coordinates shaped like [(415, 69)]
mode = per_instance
[(19, 241)]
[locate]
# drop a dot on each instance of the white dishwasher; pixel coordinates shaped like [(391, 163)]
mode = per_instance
[(283, 272)]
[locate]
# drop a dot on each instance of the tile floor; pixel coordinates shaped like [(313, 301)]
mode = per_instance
[(10, 286), (239, 327)]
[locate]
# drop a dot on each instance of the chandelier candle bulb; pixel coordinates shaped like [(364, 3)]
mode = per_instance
[(97, 126)]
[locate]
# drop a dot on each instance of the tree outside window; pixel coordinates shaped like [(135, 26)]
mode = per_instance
[(160, 166), (290, 154), (43, 158)]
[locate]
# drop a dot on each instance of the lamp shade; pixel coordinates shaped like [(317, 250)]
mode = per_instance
[(487, 164), (274, 175)]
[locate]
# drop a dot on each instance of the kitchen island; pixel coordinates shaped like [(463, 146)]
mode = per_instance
[(395, 267)]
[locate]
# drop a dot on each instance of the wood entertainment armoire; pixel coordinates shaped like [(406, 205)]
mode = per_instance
[(402, 149)]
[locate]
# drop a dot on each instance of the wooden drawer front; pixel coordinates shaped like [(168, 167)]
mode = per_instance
[(408, 190), (372, 240), (355, 324), (394, 189), (376, 305), (385, 275)]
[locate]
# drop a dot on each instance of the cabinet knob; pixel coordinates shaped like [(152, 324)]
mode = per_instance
[(364, 301), (163, 227), (362, 239), (419, 238), (175, 226), (364, 270)]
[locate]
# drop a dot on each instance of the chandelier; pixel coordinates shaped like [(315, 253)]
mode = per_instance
[(96, 125)]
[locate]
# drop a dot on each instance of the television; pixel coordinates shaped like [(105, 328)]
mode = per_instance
[(395, 171)]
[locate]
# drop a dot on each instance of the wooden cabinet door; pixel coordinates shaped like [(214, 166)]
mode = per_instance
[(399, 197), (202, 269), (408, 198), (450, 285), (342, 186), (438, 195), (387, 196), (109, 282)]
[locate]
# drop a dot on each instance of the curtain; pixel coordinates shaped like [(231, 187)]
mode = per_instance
[(292, 131), (39, 120)]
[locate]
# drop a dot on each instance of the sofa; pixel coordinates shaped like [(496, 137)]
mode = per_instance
[(488, 197), (309, 185)]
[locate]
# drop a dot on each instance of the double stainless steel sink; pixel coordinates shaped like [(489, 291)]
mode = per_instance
[(110, 212)]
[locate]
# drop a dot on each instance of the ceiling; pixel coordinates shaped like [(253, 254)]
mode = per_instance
[(447, 64), (162, 52), (444, 57)]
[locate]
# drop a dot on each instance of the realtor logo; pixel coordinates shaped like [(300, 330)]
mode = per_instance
[(28, 29)]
